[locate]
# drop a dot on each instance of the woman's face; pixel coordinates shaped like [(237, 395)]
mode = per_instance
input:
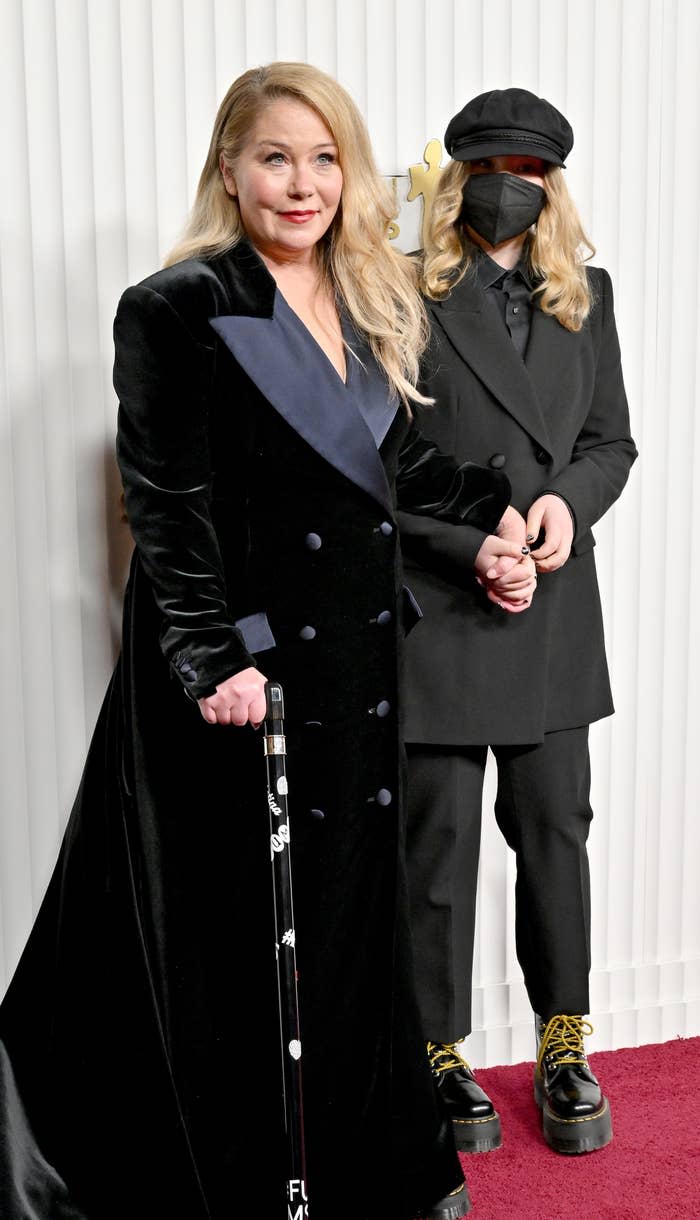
[(288, 181), (533, 168)]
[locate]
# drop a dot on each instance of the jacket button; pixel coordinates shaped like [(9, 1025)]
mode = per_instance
[(317, 814), (542, 457), (383, 708), (313, 542), (497, 461), (383, 618), (383, 797), (386, 528), (307, 633)]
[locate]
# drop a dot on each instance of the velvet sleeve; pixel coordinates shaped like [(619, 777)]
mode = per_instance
[(163, 376), (435, 494)]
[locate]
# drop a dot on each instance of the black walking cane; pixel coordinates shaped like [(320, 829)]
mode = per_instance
[(285, 949)]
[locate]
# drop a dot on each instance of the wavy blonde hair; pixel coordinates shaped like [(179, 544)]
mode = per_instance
[(376, 282), (557, 250)]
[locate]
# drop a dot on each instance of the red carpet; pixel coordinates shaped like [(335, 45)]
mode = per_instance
[(650, 1171)]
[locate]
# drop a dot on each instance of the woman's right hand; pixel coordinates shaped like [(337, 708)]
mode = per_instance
[(237, 700), (497, 556), (514, 591)]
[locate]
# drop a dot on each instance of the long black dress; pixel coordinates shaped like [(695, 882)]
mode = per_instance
[(139, 1037)]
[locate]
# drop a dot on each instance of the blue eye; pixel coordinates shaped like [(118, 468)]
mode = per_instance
[(326, 158), (275, 158)]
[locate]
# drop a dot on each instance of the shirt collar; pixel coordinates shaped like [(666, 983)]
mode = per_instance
[(489, 272)]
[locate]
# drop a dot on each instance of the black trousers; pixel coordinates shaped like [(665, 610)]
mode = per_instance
[(543, 811)]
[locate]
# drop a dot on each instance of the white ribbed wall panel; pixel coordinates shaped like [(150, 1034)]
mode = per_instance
[(107, 108)]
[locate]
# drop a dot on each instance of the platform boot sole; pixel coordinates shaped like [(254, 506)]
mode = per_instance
[(452, 1207), (574, 1136), (477, 1134)]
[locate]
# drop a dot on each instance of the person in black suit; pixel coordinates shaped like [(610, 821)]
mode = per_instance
[(264, 437), (524, 367)]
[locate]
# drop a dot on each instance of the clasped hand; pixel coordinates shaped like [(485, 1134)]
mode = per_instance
[(504, 566), (551, 514)]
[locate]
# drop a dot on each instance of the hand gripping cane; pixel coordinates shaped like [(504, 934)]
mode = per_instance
[(290, 1041)]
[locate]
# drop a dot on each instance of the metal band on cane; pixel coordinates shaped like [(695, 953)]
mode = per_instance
[(275, 743)]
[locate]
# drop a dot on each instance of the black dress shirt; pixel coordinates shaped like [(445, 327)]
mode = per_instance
[(510, 294)]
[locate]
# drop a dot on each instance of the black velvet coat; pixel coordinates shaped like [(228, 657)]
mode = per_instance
[(557, 421), (139, 1037)]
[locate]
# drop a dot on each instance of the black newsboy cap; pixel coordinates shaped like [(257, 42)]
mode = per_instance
[(506, 121)]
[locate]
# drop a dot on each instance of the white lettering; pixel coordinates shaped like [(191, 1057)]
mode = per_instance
[(273, 805), (301, 1212)]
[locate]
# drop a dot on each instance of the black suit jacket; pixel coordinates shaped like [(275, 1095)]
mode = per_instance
[(556, 422)]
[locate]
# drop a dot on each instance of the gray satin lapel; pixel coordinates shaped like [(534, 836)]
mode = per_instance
[(377, 408), (483, 343), (313, 401)]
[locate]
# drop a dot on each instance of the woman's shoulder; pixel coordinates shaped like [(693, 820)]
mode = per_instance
[(596, 273), (183, 284), (230, 282), (599, 282), (600, 287)]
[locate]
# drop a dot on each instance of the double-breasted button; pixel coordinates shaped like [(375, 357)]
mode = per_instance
[(317, 814), (386, 528), (497, 461), (542, 457), (382, 618), (313, 542), (383, 797), (383, 708), (307, 633)]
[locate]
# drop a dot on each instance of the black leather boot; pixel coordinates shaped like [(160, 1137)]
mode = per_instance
[(451, 1207), (575, 1114), (476, 1125)]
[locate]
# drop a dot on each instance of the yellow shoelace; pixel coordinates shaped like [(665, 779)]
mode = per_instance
[(444, 1056), (563, 1039)]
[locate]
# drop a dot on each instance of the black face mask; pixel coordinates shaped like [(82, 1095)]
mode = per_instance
[(499, 206)]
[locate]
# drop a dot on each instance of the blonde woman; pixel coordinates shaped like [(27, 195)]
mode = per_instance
[(524, 367), (265, 379)]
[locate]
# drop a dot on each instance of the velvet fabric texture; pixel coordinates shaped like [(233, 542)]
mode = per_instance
[(140, 1042)]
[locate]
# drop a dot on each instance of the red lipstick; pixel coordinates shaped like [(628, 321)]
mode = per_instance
[(298, 218)]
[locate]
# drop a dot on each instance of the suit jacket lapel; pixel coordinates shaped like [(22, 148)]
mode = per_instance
[(320, 407), (483, 343), (553, 354)]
